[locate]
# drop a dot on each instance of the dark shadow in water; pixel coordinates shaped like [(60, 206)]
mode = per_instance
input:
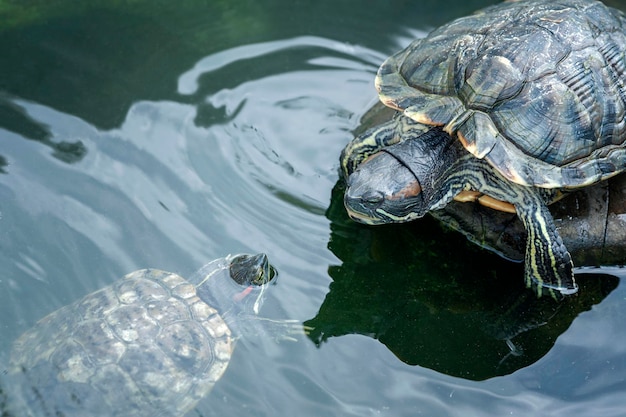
[(14, 119), (3, 403), (3, 164), (438, 301)]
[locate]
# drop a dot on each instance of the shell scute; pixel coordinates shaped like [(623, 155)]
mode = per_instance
[(110, 381), (171, 280), (99, 304), (185, 344), (98, 342), (168, 311), (132, 322), (493, 79), (151, 370), (216, 327), (71, 364), (551, 76), (134, 288), (201, 310)]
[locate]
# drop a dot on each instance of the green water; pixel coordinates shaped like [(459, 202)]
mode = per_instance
[(148, 134)]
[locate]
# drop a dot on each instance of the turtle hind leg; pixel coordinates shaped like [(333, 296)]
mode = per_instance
[(548, 264)]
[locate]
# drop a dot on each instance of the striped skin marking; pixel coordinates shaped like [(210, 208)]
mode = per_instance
[(367, 144), (536, 252), (398, 219), (548, 263), (361, 148), (399, 128), (541, 255), (368, 210)]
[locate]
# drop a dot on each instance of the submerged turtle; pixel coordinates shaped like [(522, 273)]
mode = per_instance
[(533, 95), (152, 343)]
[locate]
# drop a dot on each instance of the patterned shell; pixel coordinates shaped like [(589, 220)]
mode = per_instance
[(537, 88), (146, 345)]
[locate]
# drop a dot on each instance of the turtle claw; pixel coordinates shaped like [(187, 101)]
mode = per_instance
[(293, 329), (307, 329), (557, 293), (553, 275), (569, 291)]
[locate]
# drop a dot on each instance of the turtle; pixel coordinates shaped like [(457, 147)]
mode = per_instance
[(152, 343), (590, 219), (533, 96)]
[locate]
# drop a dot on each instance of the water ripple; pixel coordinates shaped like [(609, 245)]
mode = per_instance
[(246, 163)]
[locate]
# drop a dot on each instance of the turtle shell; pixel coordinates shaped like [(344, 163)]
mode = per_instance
[(537, 88), (146, 345)]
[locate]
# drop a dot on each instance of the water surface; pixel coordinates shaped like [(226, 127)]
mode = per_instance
[(147, 135)]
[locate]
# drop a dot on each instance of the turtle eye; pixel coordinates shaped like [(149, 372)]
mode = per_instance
[(372, 199), (265, 276), (269, 274)]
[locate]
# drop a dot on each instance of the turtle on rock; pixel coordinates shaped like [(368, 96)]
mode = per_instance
[(591, 220), (532, 97), (150, 344)]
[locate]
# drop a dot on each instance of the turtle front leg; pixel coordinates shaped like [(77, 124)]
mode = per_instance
[(548, 264), (398, 129)]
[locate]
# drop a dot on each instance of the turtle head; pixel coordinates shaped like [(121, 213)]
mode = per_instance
[(236, 283), (383, 190), (252, 273), (251, 270), (398, 183)]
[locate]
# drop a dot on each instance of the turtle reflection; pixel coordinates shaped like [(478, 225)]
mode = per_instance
[(438, 301)]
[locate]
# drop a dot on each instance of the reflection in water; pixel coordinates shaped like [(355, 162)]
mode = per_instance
[(14, 118), (410, 287)]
